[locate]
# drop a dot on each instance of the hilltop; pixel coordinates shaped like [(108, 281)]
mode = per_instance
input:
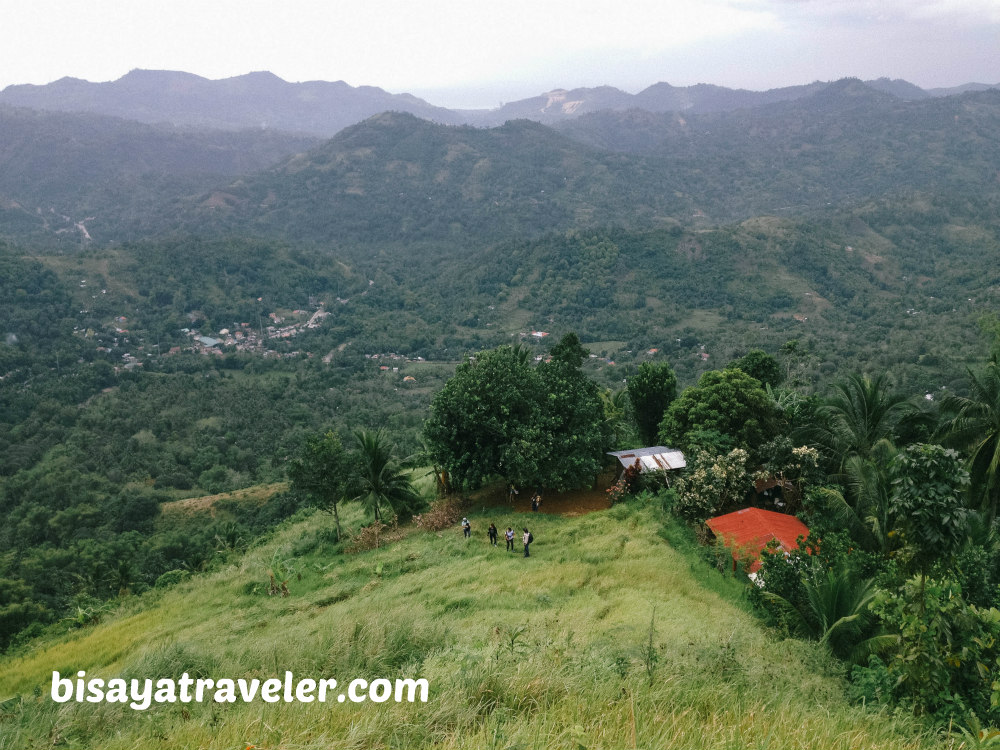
[(610, 635)]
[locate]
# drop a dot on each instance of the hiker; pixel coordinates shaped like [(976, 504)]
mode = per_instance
[(509, 536), (536, 500), (528, 539), (466, 528), (492, 533)]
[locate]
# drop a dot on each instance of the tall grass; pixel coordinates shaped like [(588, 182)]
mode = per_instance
[(550, 651)]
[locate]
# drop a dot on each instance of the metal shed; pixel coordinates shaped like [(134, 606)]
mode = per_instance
[(656, 458)]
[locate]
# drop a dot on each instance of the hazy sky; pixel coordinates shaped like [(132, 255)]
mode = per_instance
[(466, 53)]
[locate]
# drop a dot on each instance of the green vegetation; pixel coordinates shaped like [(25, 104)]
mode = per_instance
[(605, 637), (794, 296)]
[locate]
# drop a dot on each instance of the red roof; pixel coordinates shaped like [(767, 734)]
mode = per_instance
[(749, 530)]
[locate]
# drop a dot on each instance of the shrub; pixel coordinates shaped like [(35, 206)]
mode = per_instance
[(712, 482), (444, 513)]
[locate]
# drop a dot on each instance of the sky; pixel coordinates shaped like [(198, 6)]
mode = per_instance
[(461, 53)]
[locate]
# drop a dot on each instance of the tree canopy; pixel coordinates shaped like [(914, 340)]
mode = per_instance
[(651, 390), (727, 409), (501, 417)]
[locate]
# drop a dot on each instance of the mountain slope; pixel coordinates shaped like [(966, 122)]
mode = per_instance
[(59, 169), (606, 636), (400, 179)]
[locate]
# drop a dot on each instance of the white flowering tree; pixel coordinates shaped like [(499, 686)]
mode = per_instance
[(712, 482)]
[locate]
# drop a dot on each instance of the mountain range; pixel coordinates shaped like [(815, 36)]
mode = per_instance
[(262, 100)]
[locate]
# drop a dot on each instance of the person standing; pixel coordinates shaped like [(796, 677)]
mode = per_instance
[(527, 539), (492, 533), (509, 536), (466, 528)]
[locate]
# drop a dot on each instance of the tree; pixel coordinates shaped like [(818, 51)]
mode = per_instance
[(573, 435), (651, 390), (728, 405), (975, 427), (321, 473), (498, 416), (928, 485), (861, 412), (615, 405), (378, 480), (483, 422), (760, 365)]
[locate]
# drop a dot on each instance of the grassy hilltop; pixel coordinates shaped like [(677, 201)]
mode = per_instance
[(614, 634)]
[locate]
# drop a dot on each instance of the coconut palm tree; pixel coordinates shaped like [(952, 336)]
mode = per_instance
[(379, 482), (861, 412), (865, 508), (975, 428), (616, 405)]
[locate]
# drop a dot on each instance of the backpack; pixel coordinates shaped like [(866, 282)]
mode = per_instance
[(531, 537)]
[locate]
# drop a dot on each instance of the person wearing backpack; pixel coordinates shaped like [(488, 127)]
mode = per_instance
[(491, 532), (528, 538)]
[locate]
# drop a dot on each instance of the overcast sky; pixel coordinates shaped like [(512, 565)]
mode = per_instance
[(465, 53)]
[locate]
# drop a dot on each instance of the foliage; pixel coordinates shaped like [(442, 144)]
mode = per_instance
[(651, 389), (928, 484), (378, 481), (975, 427), (321, 471), (573, 436), (711, 483), (482, 423), (727, 402), (498, 416), (861, 412), (832, 607), (945, 649), (760, 365)]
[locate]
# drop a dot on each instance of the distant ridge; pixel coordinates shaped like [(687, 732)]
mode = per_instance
[(255, 100), (262, 100)]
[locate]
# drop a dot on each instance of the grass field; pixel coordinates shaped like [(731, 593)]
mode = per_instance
[(608, 636)]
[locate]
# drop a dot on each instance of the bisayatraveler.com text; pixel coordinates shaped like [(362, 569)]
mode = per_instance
[(141, 694)]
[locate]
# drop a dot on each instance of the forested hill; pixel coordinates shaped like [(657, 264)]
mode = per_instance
[(397, 178), (58, 170), (394, 177)]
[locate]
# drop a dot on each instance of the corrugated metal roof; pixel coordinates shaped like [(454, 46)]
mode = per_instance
[(749, 531), (656, 458)]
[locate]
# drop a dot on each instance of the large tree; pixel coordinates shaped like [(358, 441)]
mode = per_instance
[(501, 417), (573, 434), (727, 409), (483, 422), (320, 472), (651, 390)]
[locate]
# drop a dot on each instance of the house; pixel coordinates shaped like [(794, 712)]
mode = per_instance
[(655, 458), (747, 532)]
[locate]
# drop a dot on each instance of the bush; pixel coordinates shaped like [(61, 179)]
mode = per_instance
[(712, 482), (172, 577), (444, 513)]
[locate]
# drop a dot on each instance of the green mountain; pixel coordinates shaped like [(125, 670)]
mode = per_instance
[(61, 172)]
